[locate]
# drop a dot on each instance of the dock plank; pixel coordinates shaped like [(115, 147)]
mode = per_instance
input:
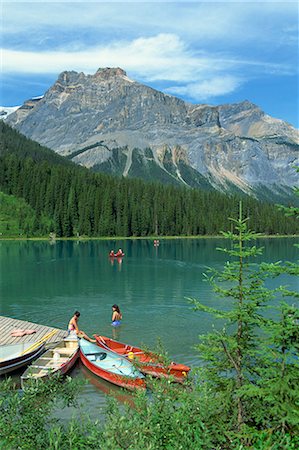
[(7, 325)]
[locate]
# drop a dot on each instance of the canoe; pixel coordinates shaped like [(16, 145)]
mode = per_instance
[(59, 359), (15, 356), (116, 255), (110, 366), (148, 362)]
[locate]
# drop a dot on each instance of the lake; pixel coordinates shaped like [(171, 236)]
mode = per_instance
[(46, 282)]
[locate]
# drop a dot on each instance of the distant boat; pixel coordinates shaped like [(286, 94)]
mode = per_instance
[(15, 356), (110, 366), (148, 362), (116, 255), (59, 359)]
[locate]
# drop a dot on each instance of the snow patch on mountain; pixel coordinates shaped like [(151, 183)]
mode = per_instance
[(5, 111)]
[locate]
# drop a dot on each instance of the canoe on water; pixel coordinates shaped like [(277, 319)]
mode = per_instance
[(110, 366), (148, 362), (15, 356), (59, 359), (116, 255)]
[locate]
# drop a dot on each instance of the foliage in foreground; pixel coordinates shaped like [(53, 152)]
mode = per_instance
[(26, 420), (172, 417)]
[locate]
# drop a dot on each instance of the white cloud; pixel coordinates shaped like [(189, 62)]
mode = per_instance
[(164, 57), (207, 89), (146, 55), (197, 49)]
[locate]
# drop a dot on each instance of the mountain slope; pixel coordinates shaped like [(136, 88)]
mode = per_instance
[(70, 200), (88, 117)]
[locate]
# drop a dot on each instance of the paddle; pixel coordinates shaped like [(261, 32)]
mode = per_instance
[(41, 341)]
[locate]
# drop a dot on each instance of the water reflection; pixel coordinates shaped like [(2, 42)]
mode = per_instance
[(108, 388), (116, 261)]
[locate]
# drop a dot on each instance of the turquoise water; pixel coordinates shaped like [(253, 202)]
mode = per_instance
[(45, 283)]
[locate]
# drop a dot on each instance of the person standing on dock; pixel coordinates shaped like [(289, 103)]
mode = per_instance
[(74, 329)]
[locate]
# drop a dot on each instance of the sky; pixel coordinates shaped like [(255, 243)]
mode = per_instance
[(203, 52)]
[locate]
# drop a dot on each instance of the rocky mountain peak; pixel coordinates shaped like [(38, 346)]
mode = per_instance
[(101, 119), (110, 72), (71, 79), (67, 77), (245, 105)]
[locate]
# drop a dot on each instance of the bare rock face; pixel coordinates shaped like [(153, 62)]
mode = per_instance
[(109, 122)]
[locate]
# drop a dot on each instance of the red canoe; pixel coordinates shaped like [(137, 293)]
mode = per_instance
[(148, 362), (110, 366)]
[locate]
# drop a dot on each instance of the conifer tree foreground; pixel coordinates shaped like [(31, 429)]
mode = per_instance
[(251, 365)]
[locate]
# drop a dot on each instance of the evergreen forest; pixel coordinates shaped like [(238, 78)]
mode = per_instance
[(70, 200)]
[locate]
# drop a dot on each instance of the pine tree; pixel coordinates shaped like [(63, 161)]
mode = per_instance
[(250, 362)]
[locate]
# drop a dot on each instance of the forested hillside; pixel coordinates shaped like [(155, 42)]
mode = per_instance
[(79, 202), (17, 218)]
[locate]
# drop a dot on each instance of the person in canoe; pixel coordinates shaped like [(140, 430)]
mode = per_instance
[(111, 253), (73, 328), (119, 252), (116, 316)]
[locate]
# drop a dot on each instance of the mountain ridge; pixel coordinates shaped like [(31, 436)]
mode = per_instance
[(232, 144), (70, 200)]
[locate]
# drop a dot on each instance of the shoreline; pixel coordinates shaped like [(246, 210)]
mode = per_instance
[(123, 238)]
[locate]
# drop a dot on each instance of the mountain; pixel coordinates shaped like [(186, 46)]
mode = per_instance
[(47, 193), (111, 123)]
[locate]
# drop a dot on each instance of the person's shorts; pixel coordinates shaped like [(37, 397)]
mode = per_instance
[(116, 323)]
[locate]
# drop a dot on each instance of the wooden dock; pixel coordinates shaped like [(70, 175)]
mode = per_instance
[(8, 325)]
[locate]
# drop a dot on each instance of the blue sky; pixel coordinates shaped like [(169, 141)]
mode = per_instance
[(204, 52)]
